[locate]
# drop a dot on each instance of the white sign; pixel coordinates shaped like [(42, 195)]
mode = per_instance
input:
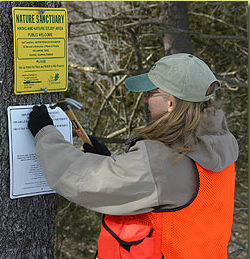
[(26, 176)]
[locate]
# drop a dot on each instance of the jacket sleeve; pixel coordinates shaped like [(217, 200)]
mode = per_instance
[(119, 186)]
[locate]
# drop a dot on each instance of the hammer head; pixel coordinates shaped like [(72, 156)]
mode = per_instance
[(66, 104)]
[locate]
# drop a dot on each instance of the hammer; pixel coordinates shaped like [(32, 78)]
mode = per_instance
[(65, 104)]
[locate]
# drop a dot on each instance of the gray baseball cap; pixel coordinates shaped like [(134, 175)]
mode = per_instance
[(181, 75)]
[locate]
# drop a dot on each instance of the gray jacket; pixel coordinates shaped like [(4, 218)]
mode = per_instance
[(137, 181)]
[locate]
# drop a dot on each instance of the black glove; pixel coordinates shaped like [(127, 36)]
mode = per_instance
[(39, 118), (97, 148)]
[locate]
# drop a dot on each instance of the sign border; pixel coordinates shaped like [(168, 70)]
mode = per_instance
[(62, 89), (11, 155)]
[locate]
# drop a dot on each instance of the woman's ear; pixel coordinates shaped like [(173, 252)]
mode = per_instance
[(171, 103)]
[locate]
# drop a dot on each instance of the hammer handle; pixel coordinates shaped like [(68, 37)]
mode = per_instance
[(79, 129)]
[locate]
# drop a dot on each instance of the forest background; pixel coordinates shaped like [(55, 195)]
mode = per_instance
[(109, 41)]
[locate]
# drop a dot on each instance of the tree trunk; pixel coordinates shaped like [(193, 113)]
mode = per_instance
[(27, 225), (174, 17)]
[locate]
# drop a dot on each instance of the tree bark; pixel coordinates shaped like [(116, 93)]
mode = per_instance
[(27, 225), (174, 16)]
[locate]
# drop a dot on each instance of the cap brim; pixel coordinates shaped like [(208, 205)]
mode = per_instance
[(139, 83)]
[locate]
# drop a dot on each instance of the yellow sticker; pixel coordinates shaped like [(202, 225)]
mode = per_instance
[(40, 49)]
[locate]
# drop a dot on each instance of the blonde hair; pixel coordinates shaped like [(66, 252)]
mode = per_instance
[(178, 129)]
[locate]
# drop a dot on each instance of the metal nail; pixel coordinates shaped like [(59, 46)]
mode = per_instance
[(41, 11), (45, 89)]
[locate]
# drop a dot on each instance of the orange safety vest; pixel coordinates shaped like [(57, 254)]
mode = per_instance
[(199, 230)]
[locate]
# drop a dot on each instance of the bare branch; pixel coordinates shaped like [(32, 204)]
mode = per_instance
[(136, 47), (98, 71), (106, 73), (118, 16), (218, 20), (106, 98), (231, 81), (134, 111), (166, 30), (116, 133), (203, 35)]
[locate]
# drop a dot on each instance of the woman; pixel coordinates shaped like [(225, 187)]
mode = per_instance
[(172, 194)]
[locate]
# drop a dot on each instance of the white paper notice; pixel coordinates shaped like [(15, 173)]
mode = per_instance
[(26, 176)]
